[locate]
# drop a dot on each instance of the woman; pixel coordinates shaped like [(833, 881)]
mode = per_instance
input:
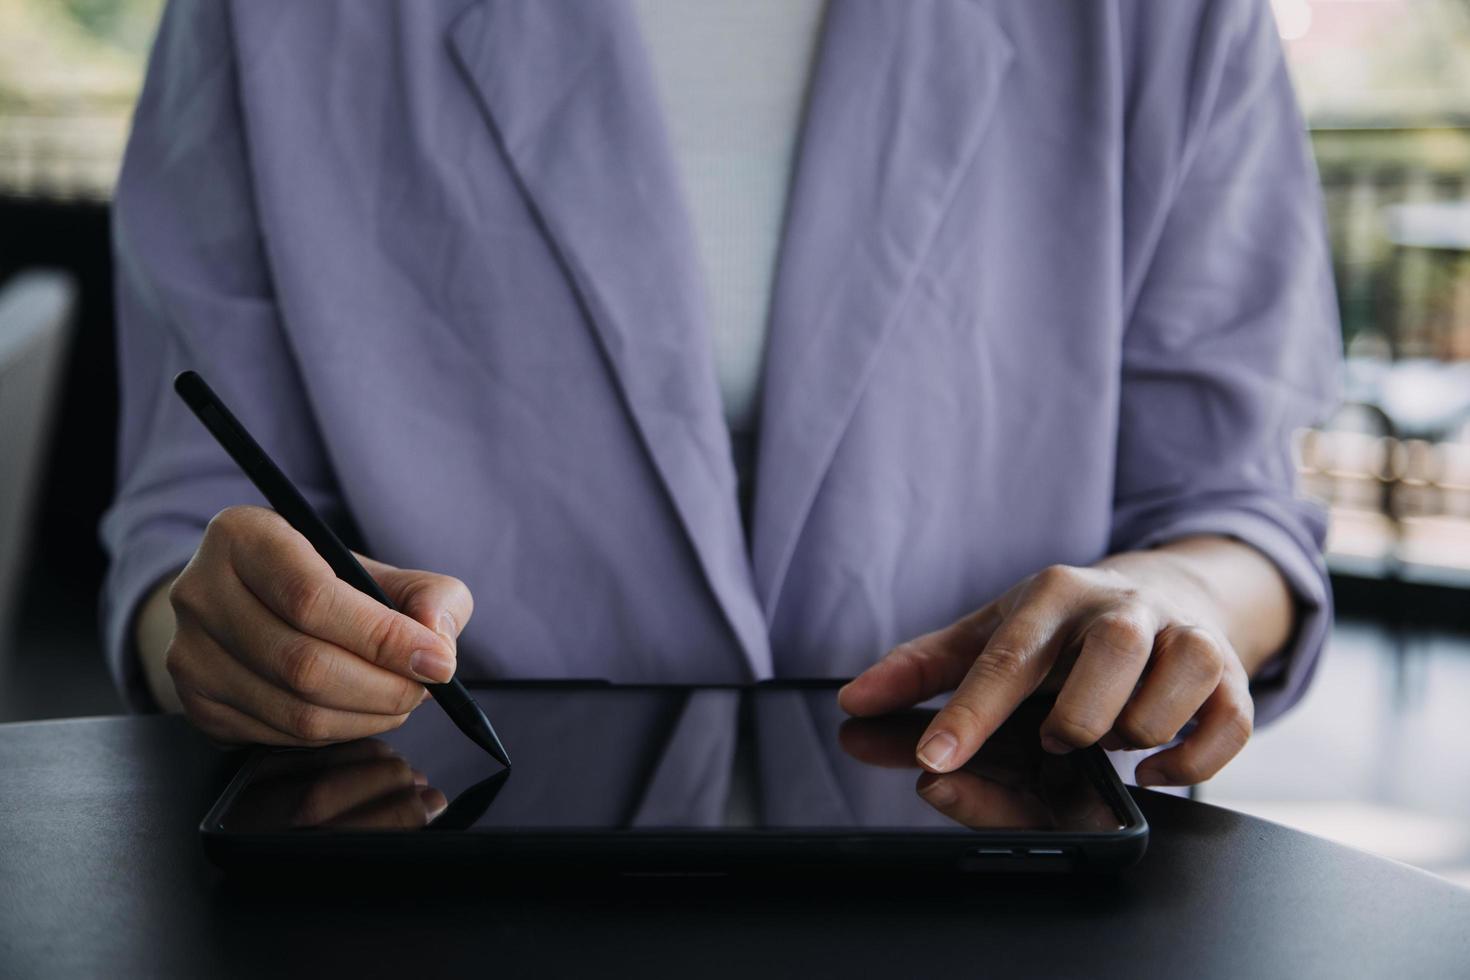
[(1050, 293)]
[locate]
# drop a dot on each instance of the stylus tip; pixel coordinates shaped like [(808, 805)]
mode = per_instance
[(487, 740)]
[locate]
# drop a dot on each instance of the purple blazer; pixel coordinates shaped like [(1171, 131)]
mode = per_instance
[(1053, 283)]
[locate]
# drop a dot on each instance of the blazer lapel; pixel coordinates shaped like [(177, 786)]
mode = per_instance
[(569, 91), (901, 95)]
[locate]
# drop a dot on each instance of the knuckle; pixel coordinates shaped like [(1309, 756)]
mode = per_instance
[(466, 598), (224, 524), (1002, 664), (194, 706), (1238, 726), (305, 665), (310, 723), (302, 596), (455, 590), (175, 660), (233, 523), (1142, 733), (182, 593), (912, 655), (182, 662), (961, 717), (1190, 770), (1194, 650), (1056, 576), (1076, 730), (909, 651), (1121, 634), (387, 633)]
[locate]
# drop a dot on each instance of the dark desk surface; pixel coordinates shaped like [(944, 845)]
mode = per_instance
[(101, 875)]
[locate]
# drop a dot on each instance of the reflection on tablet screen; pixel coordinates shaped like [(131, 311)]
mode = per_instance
[(668, 759)]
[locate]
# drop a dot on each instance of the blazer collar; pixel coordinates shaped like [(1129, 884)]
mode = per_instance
[(900, 95)]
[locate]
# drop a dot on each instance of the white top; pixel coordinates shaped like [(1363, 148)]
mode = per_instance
[(732, 76)]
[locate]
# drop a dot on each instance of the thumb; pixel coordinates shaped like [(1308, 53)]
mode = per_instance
[(441, 602)]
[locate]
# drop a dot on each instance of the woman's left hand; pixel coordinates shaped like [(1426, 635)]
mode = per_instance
[(1133, 658)]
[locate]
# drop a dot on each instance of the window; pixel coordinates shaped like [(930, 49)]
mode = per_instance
[(70, 71)]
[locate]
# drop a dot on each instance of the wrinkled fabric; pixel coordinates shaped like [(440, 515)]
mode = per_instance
[(1053, 283)]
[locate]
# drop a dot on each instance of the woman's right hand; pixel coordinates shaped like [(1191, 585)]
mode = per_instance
[(271, 647)]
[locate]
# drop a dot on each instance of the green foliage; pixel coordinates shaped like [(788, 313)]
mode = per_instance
[(126, 24)]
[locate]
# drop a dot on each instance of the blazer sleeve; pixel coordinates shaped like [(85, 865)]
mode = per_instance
[(1232, 338), (192, 291)]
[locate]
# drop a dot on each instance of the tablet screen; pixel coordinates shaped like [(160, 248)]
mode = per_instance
[(656, 758)]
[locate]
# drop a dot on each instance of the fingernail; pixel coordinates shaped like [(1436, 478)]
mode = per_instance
[(940, 793), (419, 779), (1055, 745), (448, 628), (433, 801), (431, 666), (1149, 777), (937, 751)]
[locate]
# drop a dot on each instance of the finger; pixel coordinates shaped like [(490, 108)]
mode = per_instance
[(227, 725), (920, 668), (408, 809), (336, 791), (441, 602), (210, 671), (1115, 650), (1013, 663), (1187, 666), (282, 570), (1224, 727), (314, 669), (978, 803)]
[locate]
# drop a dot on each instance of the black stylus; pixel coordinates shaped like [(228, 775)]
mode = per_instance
[(457, 702)]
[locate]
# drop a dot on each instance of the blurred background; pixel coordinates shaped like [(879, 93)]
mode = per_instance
[(1377, 756)]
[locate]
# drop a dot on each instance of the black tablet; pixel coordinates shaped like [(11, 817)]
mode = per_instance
[(681, 780)]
